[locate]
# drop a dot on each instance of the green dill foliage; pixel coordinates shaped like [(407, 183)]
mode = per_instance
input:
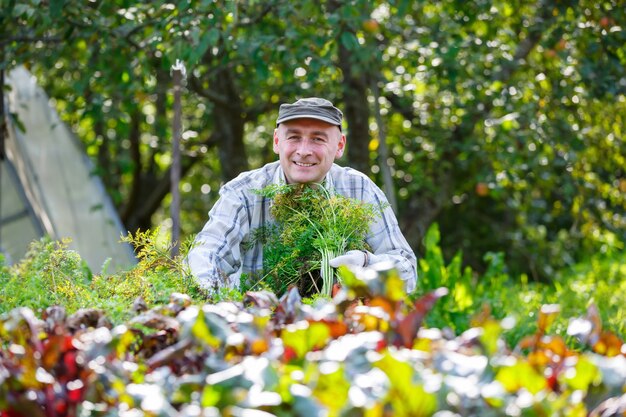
[(312, 225), (155, 277), (49, 274), (52, 274)]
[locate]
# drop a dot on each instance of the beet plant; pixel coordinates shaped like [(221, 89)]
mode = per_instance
[(366, 352)]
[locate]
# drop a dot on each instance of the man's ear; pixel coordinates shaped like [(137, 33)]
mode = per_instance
[(341, 146), (275, 145)]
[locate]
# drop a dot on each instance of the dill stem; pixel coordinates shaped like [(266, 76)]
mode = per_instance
[(327, 271)]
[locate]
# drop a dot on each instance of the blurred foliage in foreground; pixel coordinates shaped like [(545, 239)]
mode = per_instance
[(363, 353)]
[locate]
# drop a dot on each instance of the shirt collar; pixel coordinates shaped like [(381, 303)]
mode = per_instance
[(279, 176)]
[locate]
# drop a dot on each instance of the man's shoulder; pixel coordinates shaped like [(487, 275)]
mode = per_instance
[(353, 183), (253, 179), (345, 174)]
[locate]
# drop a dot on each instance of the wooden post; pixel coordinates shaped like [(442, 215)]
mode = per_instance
[(178, 74)]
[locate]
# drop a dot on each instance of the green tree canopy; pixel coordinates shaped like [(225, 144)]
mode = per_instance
[(501, 120)]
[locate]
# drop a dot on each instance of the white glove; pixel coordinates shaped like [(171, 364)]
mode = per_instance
[(360, 258)]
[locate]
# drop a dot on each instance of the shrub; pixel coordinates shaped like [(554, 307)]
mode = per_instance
[(599, 281), (51, 274)]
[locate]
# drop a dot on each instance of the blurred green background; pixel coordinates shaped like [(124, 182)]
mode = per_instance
[(500, 121)]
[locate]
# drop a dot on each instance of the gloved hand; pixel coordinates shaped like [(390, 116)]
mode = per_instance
[(360, 258)]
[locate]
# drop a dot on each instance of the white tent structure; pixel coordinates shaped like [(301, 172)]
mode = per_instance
[(47, 186)]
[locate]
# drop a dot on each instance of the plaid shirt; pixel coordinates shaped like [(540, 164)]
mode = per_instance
[(218, 259)]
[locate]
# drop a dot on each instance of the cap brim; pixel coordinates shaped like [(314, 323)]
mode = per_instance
[(308, 116)]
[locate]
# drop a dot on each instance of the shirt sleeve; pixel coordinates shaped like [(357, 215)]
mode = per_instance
[(215, 256), (387, 241)]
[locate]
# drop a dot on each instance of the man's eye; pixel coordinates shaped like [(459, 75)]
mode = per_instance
[(318, 139)]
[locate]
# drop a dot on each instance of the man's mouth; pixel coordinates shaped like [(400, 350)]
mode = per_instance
[(302, 164)]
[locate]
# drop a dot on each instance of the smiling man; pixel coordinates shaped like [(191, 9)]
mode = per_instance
[(307, 149), (307, 139)]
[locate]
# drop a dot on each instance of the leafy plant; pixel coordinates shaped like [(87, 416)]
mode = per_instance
[(312, 225), (52, 274), (600, 281), (49, 274), (339, 357)]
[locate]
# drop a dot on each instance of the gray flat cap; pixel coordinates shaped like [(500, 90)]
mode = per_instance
[(312, 108)]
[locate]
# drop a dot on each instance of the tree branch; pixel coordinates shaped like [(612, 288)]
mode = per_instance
[(252, 21), (196, 85)]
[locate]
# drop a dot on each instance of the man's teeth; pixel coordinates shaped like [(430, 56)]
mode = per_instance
[(303, 164)]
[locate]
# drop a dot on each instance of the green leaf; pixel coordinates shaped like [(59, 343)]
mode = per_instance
[(332, 387), (349, 41), (208, 39), (584, 376), (201, 331), (462, 295), (211, 395), (491, 336), (56, 8), (405, 397), (304, 337), (521, 375)]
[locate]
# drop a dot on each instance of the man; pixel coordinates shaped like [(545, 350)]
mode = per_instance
[(308, 138)]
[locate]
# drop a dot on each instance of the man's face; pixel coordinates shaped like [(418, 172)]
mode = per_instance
[(307, 149)]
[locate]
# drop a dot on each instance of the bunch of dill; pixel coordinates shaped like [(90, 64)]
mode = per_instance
[(311, 225)]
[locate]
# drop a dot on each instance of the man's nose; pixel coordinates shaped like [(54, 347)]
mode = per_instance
[(304, 147)]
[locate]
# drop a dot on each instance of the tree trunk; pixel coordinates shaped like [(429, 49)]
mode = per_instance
[(355, 105), (2, 134), (2, 116), (138, 185), (228, 122), (383, 153), (357, 111)]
